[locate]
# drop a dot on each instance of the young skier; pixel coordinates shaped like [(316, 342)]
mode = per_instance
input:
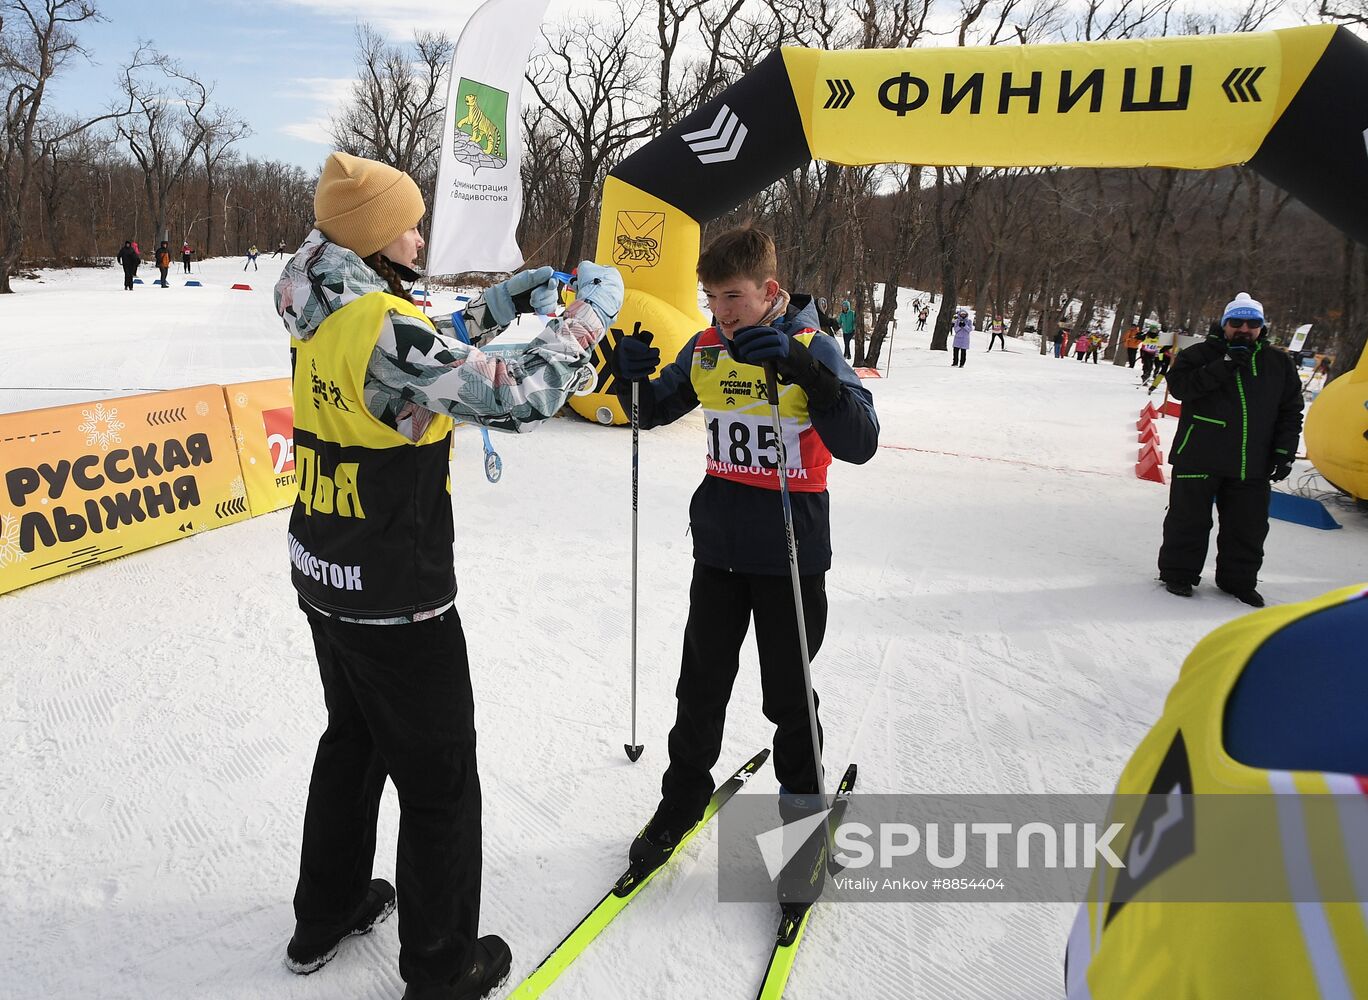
[(741, 568)]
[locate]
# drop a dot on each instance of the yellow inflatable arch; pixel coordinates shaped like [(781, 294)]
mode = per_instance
[(1293, 104)]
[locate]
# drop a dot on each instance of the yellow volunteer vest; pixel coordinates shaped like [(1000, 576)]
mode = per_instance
[(371, 530), (741, 442), (1129, 949)]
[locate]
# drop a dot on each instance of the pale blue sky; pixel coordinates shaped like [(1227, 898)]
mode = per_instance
[(283, 65)]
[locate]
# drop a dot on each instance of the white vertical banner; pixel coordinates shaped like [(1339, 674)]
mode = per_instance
[(1299, 338), (478, 199)]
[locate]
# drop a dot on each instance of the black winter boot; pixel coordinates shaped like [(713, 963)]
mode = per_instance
[(1250, 596), (485, 975), (313, 946), (1178, 589)]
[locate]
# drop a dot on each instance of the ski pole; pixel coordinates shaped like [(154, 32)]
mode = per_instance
[(634, 748), (772, 391)]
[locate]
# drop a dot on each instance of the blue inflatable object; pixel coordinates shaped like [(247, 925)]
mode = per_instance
[(137, 281), (1300, 510), (193, 284)]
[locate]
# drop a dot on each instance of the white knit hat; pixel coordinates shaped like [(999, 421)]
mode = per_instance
[(1242, 307)]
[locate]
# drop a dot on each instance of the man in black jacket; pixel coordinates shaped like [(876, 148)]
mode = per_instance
[(1241, 420), (128, 257)]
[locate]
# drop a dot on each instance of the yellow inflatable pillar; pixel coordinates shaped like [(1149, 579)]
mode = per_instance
[(1337, 431)]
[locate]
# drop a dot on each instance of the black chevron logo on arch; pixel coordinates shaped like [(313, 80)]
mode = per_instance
[(842, 93), (1239, 85)]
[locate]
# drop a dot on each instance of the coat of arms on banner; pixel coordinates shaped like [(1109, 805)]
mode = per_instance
[(480, 138), (638, 238)]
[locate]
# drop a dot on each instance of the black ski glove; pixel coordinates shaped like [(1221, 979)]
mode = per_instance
[(634, 359), (793, 362), (1239, 351), (1281, 471)]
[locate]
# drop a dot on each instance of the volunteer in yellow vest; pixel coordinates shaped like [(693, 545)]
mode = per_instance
[(741, 568), (375, 390), (1269, 704)]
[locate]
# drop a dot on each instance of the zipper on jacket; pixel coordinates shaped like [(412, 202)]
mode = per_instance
[(1244, 426), (1185, 440)]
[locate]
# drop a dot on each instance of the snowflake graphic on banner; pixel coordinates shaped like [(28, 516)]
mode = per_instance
[(101, 426), (237, 488), (10, 552)]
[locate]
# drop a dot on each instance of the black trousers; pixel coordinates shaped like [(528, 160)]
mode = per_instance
[(1243, 509), (129, 273), (1146, 365), (1131, 352), (721, 607), (163, 271), (849, 339), (399, 705), (186, 262), (958, 355), (1000, 338)]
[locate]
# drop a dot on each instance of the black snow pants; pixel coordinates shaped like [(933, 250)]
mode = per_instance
[(399, 705), (130, 271), (1243, 510), (721, 607)]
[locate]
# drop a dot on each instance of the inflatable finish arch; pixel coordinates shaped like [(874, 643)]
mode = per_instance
[(1293, 104)]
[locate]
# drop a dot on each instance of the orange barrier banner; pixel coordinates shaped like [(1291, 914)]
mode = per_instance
[(89, 482), (263, 422)]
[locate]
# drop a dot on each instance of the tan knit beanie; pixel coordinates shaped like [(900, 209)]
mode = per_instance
[(365, 205)]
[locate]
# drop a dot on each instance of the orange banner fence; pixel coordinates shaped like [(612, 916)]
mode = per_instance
[(89, 482)]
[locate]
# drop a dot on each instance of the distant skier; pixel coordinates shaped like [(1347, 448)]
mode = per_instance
[(186, 254), (128, 257), (922, 314), (252, 252), (279, 250), (997, 332)]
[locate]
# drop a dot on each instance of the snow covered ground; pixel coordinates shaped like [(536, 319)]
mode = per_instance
[(995, 627)]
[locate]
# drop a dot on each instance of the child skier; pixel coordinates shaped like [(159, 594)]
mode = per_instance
[(741, 569)]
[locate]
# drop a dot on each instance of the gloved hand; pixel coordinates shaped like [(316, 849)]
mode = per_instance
[(755, 345), (1239, 351), (1281, 470), (601, 287), (525, 292), (634, 358)]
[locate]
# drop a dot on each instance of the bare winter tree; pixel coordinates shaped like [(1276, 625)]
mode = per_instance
[(37, 38), (1345, 11), (218, 140), (592, 82), (171, 119), (396, 108)]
